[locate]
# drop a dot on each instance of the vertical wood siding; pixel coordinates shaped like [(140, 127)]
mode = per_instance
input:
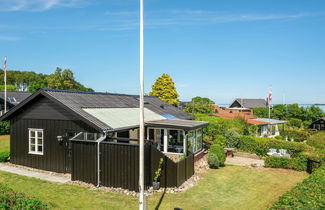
[(84, 162), (54, 152), (119, 165)]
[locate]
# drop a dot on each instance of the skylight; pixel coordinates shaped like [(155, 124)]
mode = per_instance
[(12, 99), (145, 102)]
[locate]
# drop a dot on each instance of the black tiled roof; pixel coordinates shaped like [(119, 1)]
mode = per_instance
[(18, 96), (251, 103), (77, 100)]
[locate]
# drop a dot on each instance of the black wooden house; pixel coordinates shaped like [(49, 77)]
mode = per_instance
[(318, 124), (94, 136)]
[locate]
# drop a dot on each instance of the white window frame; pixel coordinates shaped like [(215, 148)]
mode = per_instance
[(36, 130), (197, 140)]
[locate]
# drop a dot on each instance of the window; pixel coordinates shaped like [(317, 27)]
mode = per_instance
[(36, 141), (175, 141), (190, 141), (199, 139)]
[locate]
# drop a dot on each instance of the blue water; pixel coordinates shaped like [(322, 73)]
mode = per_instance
[(303, 105), (307, 105)]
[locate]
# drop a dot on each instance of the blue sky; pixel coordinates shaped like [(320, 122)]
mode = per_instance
[(217, 49)]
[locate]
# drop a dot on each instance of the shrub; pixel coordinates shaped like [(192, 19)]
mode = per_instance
[(310, 194), (248, 144), (219, 126), (295, 122), (220, 140), (4, 156), (232, 138), (219, 152), (298, 163), (252, 130), (4, 127), (298, 135), (317, 140), (213, 161), (10, 199), (261, 146)]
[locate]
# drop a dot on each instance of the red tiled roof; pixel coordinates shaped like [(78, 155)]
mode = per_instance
[(250, 119)]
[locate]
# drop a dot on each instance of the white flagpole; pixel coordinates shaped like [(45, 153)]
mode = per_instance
[(269, 98), (5, 80), (142, 201)]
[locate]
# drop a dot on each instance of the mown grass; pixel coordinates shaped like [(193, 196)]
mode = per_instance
[(231, 187), (234, 187)]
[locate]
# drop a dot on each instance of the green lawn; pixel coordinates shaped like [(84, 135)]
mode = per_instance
[(4, 143), (231, 187)]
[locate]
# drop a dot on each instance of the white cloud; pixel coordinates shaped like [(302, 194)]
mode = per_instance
[(127, 20), (37, 5)]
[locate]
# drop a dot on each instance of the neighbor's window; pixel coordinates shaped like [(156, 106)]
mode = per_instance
[(36, 141)]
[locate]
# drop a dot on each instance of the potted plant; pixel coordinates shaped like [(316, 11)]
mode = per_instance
[(156, 179)]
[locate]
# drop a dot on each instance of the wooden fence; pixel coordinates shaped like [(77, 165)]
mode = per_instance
[(119, 165)]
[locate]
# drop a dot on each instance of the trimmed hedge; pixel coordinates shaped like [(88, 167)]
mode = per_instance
[(261, 146), (10, 199), (213, 161), (298, 163), (219, 152), (4, 156), (310, 194)]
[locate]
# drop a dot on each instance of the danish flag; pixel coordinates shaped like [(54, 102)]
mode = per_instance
[(270, 96), (5, 64)]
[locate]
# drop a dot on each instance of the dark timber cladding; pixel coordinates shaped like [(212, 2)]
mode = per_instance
[(84, 161), (119, 165), (55, 121)]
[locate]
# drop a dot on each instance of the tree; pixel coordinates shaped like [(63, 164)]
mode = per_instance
[(199, 105), (279, 111), (164, 88), (261, 112), (64, 80), (31, 81), (35, 85), (9, 88)]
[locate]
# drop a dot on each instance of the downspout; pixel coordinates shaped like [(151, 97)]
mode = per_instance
[(98, 156)]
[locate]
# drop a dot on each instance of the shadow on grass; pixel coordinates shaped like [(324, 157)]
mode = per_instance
[(160, 200)]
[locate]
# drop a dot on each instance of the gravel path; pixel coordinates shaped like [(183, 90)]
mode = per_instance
[(243, 161), (34, 174)]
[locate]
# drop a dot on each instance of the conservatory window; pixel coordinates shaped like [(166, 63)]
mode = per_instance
[(36, 141)]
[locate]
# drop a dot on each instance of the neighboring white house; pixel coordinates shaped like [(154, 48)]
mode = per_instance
[(271, 127)]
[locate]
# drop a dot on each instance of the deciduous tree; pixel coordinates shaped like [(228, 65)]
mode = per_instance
[(164, 88)]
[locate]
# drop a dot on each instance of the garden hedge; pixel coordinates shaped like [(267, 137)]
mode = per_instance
[(297, 163), (4, 127), (9, 199), (219, 152), (310, 194), (4, 156), (261, 146)]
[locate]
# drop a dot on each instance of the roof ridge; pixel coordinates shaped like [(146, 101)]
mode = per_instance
[(16, 91), (90, 92)]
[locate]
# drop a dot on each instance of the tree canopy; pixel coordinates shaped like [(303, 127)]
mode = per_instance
[(292, 111), (31, 81), (199, 105), (164, 88)]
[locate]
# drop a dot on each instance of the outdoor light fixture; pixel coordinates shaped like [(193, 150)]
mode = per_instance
[(60, 138)]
